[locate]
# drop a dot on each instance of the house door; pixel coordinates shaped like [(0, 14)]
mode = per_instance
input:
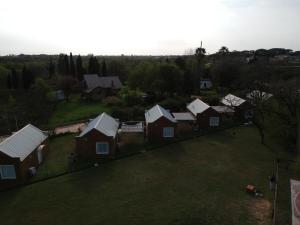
[(40, 155)]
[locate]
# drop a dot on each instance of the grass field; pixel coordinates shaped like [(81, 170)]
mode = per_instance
[(56, 161), (75, 110), (195, 182)]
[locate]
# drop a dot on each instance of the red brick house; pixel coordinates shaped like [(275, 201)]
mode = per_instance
[(98, 141), (21, 154), (205, 115), (160, 124)]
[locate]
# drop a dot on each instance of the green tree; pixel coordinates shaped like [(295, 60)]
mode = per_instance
[(67, 84), (51, 68), (72, 65), (27, 78), (93, 66), (79, 68), (103, 68), (14, 79), (223, 50)]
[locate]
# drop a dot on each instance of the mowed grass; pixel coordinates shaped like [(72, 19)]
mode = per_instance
[(56, 161), (195, 182), (74, 110)]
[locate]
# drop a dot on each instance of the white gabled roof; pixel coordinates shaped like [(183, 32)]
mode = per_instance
[(157, 112), (259, 94), (232, 100), (197, 106), (23, 142), (103, 123)]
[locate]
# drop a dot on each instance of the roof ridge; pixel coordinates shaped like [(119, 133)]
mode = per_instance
[(159, 109), (101, 116)]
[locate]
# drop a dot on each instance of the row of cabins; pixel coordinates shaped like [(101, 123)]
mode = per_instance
[(23, 152)]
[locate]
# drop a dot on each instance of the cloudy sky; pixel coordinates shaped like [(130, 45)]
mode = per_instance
[(144, 27)]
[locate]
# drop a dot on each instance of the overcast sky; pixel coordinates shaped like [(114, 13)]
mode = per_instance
[(144, 27)]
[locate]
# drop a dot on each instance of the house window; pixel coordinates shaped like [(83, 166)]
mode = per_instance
[(7, 172), (214, 121), (168, 132), (102, 148)]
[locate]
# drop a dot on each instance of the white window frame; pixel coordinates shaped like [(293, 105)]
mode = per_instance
[(214, 121), (8, 178), (166, 136), (102, 143)]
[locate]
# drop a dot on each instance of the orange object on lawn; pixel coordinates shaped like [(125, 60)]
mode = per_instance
[(250, 188)]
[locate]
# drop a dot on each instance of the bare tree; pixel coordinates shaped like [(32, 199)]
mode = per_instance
[(288, 97)]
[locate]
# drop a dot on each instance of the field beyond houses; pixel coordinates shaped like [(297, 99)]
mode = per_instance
[(199, 181)]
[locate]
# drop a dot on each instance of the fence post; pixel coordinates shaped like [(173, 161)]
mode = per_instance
[(275, 194)]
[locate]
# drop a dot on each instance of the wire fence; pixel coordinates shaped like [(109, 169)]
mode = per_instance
[(286, 170), (45, 174)]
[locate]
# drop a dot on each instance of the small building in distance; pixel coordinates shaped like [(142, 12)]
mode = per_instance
[(97, 87), (205, 84), (241, 107), (205, 115), (160, 124), (21, 154), (98, 141)]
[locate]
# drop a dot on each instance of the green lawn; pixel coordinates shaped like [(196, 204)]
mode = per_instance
[(56, 161), (195, 182), (74, 110)]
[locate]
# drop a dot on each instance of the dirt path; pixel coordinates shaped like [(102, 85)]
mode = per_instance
[(261, 211), (74, 128)]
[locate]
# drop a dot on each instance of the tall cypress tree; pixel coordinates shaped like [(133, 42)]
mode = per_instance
[(79, 69), (8, 82), (66, 64), (103, 68), (14, 79), (94, 66), (61, 64), (51, 68), (27, 78), (72, 65)]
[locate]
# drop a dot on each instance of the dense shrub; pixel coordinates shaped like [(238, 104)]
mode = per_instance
[(112, 101), (128, 113)]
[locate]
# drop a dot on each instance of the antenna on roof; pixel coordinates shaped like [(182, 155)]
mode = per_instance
[(201, 45)]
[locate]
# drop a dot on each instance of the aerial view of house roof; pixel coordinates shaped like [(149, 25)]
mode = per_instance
[(259, 94), (183, 116), (223, 109), (93, 81), (23, 142), (232, 100), (197, 106), (103, 123), (157, 112)]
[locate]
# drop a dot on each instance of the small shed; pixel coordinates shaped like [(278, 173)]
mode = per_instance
[(20, 155), (186, 122), (205, 84), (99, 139), (205, 115), (160, 124)]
